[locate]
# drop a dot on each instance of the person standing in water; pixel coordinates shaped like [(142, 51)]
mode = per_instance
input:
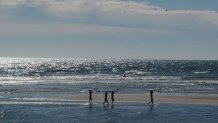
[(105, 97), (90, 96), (112, 97), (151, 97)]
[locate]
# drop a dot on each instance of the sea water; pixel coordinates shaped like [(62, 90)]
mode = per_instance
[(23, 80)]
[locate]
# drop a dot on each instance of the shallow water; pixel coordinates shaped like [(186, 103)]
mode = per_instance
[(97, 113)]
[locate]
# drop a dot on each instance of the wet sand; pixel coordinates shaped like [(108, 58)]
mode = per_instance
[(141, 98)]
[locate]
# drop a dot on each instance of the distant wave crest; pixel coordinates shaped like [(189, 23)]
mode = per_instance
[(65, 67)]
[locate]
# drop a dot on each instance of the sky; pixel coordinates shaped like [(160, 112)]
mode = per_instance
[(110, 29)]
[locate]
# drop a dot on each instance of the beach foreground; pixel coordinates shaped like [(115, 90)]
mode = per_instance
[(75, 112)]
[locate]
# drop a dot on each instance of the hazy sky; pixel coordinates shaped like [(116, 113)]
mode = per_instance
[(145, 29)]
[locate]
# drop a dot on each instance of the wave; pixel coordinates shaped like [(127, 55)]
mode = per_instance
[(33, 67)]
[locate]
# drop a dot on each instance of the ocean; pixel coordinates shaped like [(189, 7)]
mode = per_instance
[(23, 80)]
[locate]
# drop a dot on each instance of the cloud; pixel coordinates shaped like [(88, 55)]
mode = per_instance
[(11, 2), (115, 27), (118, 6), (75, 5), (63, 29), (125, 11), (100, 16)]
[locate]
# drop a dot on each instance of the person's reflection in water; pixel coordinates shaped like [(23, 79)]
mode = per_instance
[(151, 108), (90, 106), (112, 106), (106, 106)]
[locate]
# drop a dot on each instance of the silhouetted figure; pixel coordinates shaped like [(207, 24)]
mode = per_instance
[(112, 97), (90, 96), (105, 97), (151, 96)]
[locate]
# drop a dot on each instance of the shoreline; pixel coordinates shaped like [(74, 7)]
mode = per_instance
[(201, 99), (142, 98)]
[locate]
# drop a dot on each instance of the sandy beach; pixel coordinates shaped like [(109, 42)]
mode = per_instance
[(141, 98)]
